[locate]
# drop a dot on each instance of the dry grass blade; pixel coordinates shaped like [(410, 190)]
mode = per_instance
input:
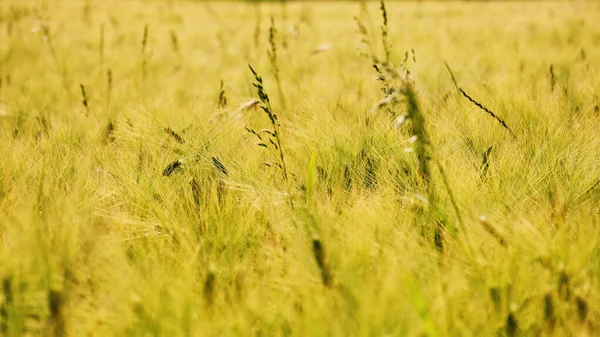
[(482, 107), (492, 230), (451, 195), (258, 14), (3, 110), (320, 49), (109, 85), (452, 76), (101, 46), (248, 105), (390, 99), (273, 59), (384, 33), (144, 45), (479, 105), (418, 129), (61, 67)]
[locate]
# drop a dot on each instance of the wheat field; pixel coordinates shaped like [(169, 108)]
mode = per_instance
[(181, 168)]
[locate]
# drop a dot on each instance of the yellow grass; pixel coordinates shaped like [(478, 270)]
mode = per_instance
[(98, 238)]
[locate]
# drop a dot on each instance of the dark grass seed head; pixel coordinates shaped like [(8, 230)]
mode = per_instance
[(172, 168), (552, 78), (319, 254), (84, 99), (174, 41), (109, 135), (549, 312), (195, 186), (564, 289), (209, 288), (512, 326), (222, 101), (496, 297), (175, 136), (219, 165), (56, 303), (582, 308), (438, 237)]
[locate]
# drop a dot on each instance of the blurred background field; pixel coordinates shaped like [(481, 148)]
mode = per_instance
[(145, 191)]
